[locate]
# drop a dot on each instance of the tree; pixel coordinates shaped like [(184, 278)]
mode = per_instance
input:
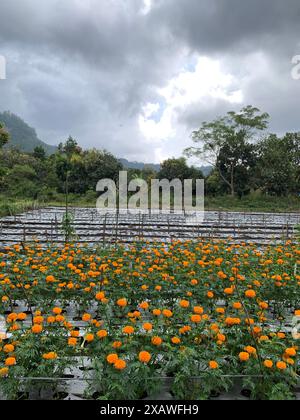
[(178, 168), (227, 144), (4, 136), (279, 163), (39, 153)]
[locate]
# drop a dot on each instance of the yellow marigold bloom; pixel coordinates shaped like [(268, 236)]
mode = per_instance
[(4, 372)]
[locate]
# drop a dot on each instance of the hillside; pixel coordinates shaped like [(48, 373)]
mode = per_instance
[(139, 165), (22, 136)]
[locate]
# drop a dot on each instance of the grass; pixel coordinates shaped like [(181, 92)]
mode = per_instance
[(9, 207)]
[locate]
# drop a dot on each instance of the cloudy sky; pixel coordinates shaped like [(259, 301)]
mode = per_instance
[(137, 76)]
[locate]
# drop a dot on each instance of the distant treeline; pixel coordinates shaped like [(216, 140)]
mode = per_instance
[(244, 158)]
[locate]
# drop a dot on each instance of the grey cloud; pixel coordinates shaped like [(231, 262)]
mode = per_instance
[(86, 68)]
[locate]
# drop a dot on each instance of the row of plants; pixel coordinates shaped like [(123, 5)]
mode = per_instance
[(200, 313)]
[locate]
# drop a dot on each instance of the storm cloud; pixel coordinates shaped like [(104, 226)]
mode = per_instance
[(136, 77)]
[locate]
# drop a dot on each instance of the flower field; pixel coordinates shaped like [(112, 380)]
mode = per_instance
[(203, 314)]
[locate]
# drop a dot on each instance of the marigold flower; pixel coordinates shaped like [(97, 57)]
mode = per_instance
[(144, 357), (167, 313), (50, 356), (147, 326), (213, 365), (122, 302), (128, 330), (37, 329), (57, 311), (120, 364), (196, 318), (237, 305), (117, 344), (184, 303), (198, 310), (175, 340), (75, 333), (112, 358), (102, 334), (100, 295), (291, 352), (156, 312), (244, 357), (250, 350), (51, 319), (4, 372), (268, 364), (9, 348), (144, 305), (89, 338), (72, 341), (210, 295), (22, 316), (156, 341), (10, 361), (281, 365), (86, 317), (38, 320), (250, 294)]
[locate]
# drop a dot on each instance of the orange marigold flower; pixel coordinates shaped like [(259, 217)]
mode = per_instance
[(128, 330), (175, 340), (196, 318), (147, 326), (156, 341), (244, 357), (291, 352), (250, 294), (210, 295), (144, 305), (22, 316), (51, 319), (75, 333), (268, 364), (102, 334), (156, 312), (72, 341), (184, 303), (250, 350), (281, 365), (112, 358), (89, 338), (10, 361), (237, 305), (57, 311), (167, 313), (117, 344), (100, 295), (50, 356), (38, 320), (120, 364), (198, 310), (37, 329), (144, 357), (86, 317), (213, 365), (122, 302), (9, 348)]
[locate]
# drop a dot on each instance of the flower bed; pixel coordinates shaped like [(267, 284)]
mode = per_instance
[(198, 313)]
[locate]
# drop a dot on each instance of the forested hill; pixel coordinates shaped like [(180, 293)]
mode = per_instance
[(22, 136)]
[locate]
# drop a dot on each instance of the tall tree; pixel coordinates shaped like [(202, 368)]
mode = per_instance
[(227, 144), (4, 136)]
